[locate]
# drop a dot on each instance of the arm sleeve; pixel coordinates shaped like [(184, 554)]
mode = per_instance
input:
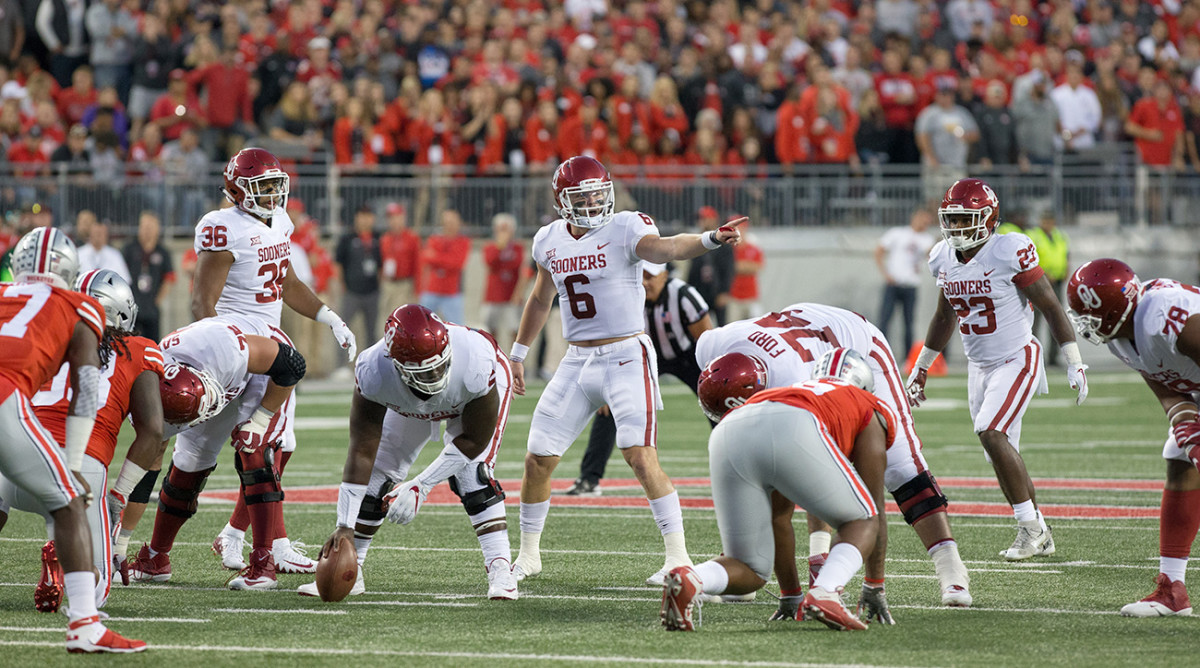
[(152, 359)]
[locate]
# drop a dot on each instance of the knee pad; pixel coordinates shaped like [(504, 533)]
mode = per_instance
[(481, 499), (372, 510), (180, 490), (260, 481), (141, 492), (288, 367), (920, 497)]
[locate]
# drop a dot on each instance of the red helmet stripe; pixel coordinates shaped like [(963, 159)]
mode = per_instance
[(44, 252), (835, 367)]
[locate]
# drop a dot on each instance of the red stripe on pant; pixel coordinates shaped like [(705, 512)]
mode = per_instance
[(864, 496), (46, 443), (651, 424), (1023, 386)]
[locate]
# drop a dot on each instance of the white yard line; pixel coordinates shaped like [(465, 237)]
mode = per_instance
[(276, 611)]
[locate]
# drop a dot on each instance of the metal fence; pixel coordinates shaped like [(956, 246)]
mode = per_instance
[(1104, 189)]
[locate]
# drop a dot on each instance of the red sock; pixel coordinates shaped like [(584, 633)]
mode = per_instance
[(166, 527), (172, 512), (1178, 522), (262, 520), (240, 519), (280, 530)]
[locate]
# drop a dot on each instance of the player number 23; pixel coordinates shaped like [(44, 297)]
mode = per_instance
[(986, 310)]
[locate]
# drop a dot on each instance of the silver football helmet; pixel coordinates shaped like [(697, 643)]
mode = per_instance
[(847, 365), (114, 294), (45, 255)]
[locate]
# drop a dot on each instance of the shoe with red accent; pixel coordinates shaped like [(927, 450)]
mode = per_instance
[(815, 562), (49, 592), (680, 595), (291, 557), (827, 607), (260, 574), (89, 636), (229, 549), (146, 568), (1170, 599), (120, 569)]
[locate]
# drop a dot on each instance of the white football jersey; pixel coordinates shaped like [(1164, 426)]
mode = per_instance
[(261, 258), (994, 317), (215, 346), (1161, 312), (476, 366), (598, 276)]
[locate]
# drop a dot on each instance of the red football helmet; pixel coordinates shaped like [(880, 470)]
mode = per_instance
[(189, 395), (583, 190), (728, 381), (1101, 295), (969, 213), (256, 183), (419, 345)]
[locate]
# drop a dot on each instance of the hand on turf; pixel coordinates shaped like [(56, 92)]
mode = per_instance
[(789, 609), (916, 386), (405, 500), (873, 607), (1078, 380)]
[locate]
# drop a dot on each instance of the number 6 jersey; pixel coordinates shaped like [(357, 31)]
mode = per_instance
[(260, 261), (598, 276), (994, 317)]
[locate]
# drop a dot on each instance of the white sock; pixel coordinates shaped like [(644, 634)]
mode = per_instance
[(121, 544), (818, 542), (714, 579), (533, 517), (495, 546), (1174, 568), (676, 550), (948, 564), (280, 544), (81, 593), (1025, 512), (236, 534), (1041, 521), (843, 562), (667, 513), (531, 547), (361, 545)]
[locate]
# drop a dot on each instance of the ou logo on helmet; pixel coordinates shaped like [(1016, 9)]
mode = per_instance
[(171, 371), (1089, 297), (733, 402), (991, 194)]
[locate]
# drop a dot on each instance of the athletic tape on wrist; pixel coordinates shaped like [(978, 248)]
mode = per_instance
[(518, 352)]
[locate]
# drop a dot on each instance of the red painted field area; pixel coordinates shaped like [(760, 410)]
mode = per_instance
[(626, 493)]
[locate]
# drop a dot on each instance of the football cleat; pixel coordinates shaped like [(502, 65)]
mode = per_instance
[(89, 636), (815, 562), (229, 549), (49, 592), (293, 559), (660, 577), (827, 607), (526, 568), (1031, 541), (1170, 598), (259, 575), (146, 568), (310, 589), (956, 596), (583, 487), (502, 584), (680, 596), (120, 569)]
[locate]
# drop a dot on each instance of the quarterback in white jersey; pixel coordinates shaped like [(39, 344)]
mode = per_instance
[(243, 272), (788, 343), (424, 372), (986, 285), (592, 257), (1154, 328), (219, 379)]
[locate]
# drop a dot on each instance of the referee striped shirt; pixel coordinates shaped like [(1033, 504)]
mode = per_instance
[(667, 321)]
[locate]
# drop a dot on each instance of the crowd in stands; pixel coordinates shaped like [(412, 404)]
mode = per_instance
[(521, 84)]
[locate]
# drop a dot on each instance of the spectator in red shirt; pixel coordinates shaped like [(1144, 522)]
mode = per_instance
[(502, 295), (585, 134), (898, 97), (74, 101), (357, 140), (831, 130), (400, 249), (1156, 125), (230, 107), (442, 262), (319, 72), (666, 113), (178, 108), (541, 132), (791, 133), (743, 294)]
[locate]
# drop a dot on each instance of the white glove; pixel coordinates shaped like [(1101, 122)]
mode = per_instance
[(405, 500), (341, 332), (116, 508), (1078, 380), (251, 435), (916, 386)]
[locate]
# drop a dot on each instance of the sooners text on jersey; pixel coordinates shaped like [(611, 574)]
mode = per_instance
[(1161, 313), (261, 257), (36, 325)]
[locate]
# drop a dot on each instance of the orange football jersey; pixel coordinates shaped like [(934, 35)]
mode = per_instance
[(844, 409), (36, 324), (51, 403)]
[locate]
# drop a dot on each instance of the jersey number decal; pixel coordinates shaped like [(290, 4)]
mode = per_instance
[(964, 307), (1027, 257), (35, 298), (1177, 317), (214, 236), (582, 304), (274, 284), (794, 330), (60, 389)]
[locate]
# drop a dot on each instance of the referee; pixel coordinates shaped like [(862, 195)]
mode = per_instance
[(676, 315)]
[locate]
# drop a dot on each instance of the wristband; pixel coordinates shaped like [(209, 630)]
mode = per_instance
[(350, 497), (262, 417), (784, 593), (926, 358), (873, 583), (709, 240), (327, 317), (131, 475), (1071, 354), (518, 352)]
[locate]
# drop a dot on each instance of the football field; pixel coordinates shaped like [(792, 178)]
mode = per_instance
[(1098, 469)]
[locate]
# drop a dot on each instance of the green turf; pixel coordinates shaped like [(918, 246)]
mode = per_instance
[(590, 602)]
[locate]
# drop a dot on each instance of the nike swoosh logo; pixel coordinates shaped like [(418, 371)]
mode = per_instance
[(624, 363), (601, 246), (988, 273)]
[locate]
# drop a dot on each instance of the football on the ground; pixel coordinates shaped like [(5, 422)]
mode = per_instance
[(337, 571)]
